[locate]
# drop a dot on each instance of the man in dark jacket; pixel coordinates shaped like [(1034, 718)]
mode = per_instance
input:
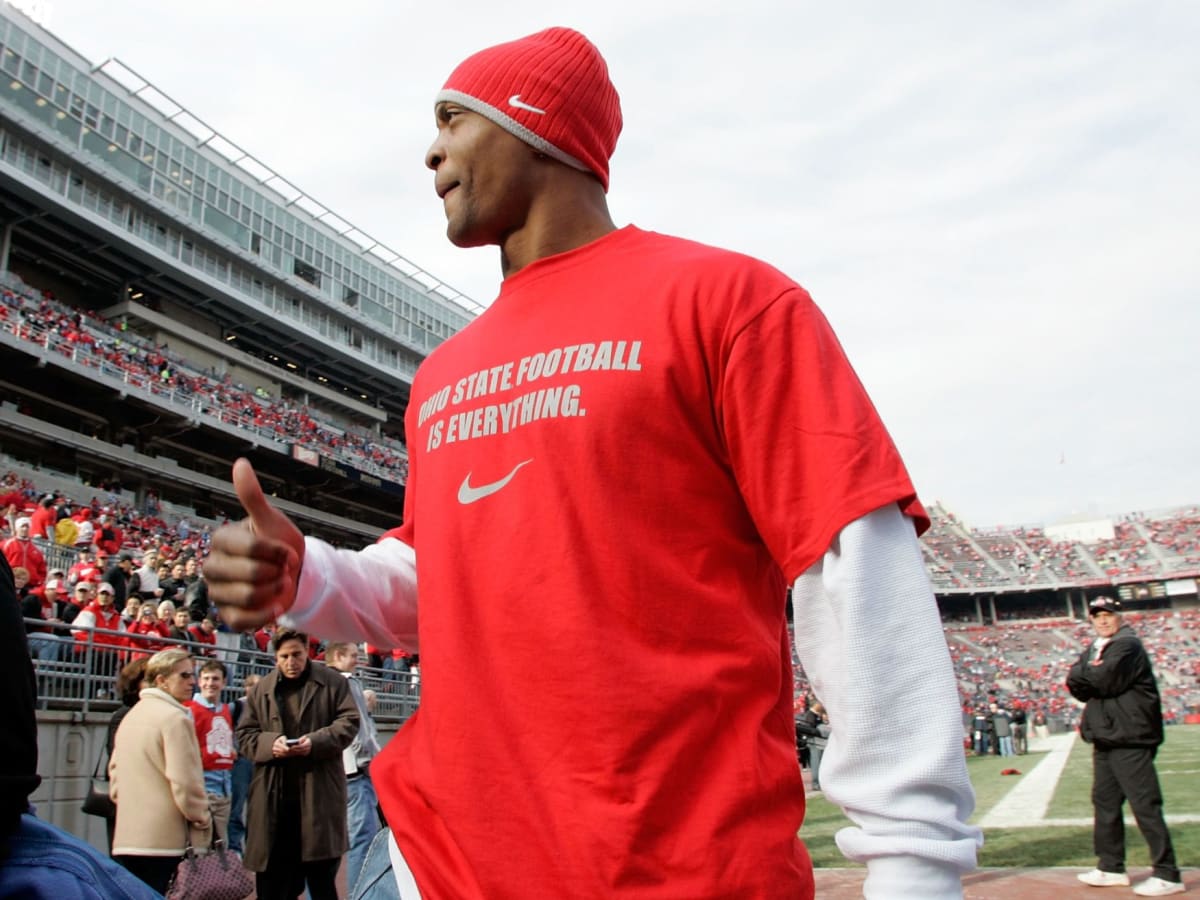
[(296, 723), (118, 576), (1123, 722)]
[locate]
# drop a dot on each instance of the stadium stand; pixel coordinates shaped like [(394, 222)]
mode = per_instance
[(961, 559), (83, 339)]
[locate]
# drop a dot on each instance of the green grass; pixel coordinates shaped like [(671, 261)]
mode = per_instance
[(1178, 766)]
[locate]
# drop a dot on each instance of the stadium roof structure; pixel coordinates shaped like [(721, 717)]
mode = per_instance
[(111, 190), (289, 193)]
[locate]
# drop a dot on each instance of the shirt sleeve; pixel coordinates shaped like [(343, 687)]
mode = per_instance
[(366, 595), (871, 642), (806, 444)]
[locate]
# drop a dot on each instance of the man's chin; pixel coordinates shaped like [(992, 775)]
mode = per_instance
[(465, 240)]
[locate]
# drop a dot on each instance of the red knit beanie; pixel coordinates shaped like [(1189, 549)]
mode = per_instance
[(551, 90)]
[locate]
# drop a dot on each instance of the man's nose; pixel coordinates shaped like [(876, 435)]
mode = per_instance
[(435, 155)]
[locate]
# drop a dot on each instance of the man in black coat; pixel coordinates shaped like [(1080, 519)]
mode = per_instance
[(1123, 722), (118, 576), (296, 722)]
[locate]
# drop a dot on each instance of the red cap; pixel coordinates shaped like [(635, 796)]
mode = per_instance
[(551, 90)]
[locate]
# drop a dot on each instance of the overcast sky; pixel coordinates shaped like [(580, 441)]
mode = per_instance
[(994, 204)]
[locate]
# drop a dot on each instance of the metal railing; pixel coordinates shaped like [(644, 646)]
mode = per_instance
[(76, 669)]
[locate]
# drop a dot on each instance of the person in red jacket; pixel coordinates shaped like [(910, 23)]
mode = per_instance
[(204, 632), (107, 644), (85, 569), (108, 536), (22, 553), (145, 634), (218, 750)]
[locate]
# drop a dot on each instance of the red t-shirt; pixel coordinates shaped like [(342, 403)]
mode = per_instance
[(614, 472), (214, 731)]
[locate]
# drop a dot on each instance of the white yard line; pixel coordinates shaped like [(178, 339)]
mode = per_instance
[(1027, 802)]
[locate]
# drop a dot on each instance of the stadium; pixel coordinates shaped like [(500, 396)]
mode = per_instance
[(170, 303)]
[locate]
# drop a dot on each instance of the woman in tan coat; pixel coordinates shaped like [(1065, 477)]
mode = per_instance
[(156, 778)]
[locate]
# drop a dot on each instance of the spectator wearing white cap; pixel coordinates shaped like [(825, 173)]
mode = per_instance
[(21, 552), (102, 615)]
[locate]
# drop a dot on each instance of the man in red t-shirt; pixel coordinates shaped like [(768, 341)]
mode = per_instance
[(629, 456), (43, 519)]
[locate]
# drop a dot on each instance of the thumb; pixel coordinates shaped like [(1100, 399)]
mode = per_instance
[(250, 495)]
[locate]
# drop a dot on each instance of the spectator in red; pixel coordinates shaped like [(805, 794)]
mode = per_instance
[(262, 637), (43, 643), (21, 552), (84, 569), (44, 518), (203, 632), (108, 536), (101, 565), (101, 614), (145, 635)]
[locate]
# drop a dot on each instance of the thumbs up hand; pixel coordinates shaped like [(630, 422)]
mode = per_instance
[(254, 567)]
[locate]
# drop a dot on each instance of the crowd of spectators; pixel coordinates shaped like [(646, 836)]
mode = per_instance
[(94, 343), (153, 568), (959, 557)]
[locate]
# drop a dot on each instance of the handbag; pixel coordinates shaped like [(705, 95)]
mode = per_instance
[(218, 875), (98, 802)]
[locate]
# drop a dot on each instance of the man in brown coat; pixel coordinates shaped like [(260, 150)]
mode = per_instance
[(296, 723)]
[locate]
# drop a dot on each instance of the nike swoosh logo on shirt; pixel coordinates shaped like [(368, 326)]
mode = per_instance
[(515, 100), (468, 494)]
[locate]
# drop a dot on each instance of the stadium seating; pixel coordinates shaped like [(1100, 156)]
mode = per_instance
[(965, 560), (94, 344)]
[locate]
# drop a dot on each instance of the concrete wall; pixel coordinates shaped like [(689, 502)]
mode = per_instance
[(68, 747), (69, 743)]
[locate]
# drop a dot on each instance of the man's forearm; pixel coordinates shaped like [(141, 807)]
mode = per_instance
[(367, 595), (871, 642)]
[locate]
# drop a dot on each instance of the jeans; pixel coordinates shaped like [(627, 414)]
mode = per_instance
[(45, 647), (362, 822), (376, 880), (45, 861), (243, 770), (1006, 746), (814, 764)]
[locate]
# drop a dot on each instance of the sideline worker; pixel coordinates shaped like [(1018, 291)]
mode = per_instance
[(1123, 722)]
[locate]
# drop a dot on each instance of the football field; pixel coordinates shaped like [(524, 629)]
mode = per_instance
[(1042, 817)]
